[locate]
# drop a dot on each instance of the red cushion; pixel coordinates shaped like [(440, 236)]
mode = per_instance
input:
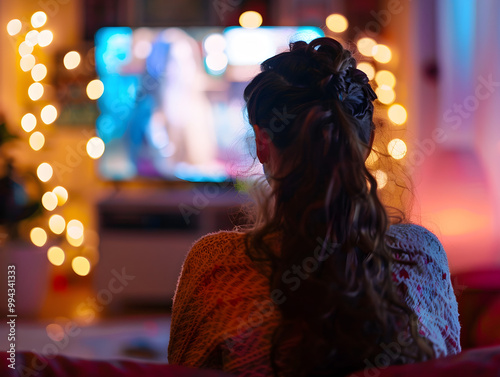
[(480, 362), (484, 362), (487, 326), (29, 364)]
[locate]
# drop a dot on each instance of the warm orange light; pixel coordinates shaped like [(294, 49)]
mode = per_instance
[(28, 122), (95, 147), (385, 78), (381, 178), (49, 201), (14, 27), (250, 19), (38, 19), (337, 23), (48, 114), (56, 256), (397, 148), (365, 46), (71, 60), (397, 114), (45, 38), (382, 53), (385, 94), (44, 172), (95, 89), (36, 140), (81, 266), (38, 236), (57, 224), (62, 195)]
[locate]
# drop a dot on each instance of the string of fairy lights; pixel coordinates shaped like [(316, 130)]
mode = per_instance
[(31, 38), (377, 54)]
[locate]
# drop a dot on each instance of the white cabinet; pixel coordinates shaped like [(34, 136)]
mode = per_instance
[(147, 237)]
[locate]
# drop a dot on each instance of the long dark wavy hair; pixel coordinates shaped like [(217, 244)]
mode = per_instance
[(340, 307)]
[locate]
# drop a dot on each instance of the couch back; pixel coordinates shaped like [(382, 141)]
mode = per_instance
[(484, 362)]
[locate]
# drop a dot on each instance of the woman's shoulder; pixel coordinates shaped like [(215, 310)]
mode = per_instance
[(415, 238), (216, 246)]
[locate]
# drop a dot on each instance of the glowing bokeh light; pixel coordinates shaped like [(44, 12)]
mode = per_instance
[(250, 19), (337, 23), (55, 255), (39, 72), (95, 89), (385, 78), (44, 172), (365, 46), (35, 91), (45, 38), (74, 229), (62, 195), (71, 60), (397, 148), (28, 122), (27, 62), (95, 147), (25, 49), (36, 141), (32, 38), (57, 224), (81, 266), (368, 69), (38, 19), (216, 62), (14, 26), (49, 201), (214, 43), (397, 114), (382, 53), (385, 94), (48, 114), (381, 178), (38, 236)]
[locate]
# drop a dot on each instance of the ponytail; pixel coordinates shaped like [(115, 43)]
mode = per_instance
[(333, 264)]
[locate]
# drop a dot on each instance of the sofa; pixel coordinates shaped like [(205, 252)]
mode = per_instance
[(481, 362)]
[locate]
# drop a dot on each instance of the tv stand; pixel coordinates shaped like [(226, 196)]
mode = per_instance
[(148, 235)]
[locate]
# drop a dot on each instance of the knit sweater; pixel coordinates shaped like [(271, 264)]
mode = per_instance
[(224, 314)]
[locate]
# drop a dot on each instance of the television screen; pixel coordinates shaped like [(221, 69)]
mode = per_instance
[(173, 107)]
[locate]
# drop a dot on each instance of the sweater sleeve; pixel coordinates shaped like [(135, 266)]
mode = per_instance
[(427, 285), (222, 315), (190, 341)]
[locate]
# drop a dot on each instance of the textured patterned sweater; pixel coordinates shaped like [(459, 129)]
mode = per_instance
[(224, 313)]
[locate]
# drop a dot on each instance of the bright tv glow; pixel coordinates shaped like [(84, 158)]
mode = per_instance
[(172, 106)]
